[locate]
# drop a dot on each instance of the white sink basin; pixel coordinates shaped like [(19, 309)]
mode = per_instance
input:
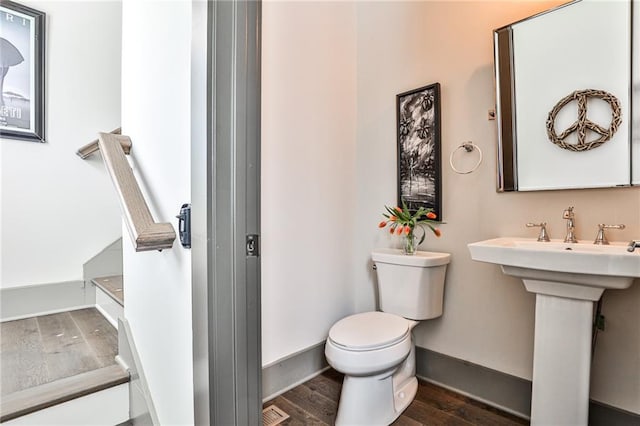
[(567, 279), (583, 263)]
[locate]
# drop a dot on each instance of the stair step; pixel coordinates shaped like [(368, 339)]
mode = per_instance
[(113, 286), (33, 399)]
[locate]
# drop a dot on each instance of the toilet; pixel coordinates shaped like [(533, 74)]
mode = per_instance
[(375, 350)]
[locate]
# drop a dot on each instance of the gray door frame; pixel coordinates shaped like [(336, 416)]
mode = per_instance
[(225, 209)]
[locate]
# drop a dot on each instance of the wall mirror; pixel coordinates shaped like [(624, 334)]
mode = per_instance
[(564, 95)]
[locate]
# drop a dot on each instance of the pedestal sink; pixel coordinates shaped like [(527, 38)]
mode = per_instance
[(567, 278)]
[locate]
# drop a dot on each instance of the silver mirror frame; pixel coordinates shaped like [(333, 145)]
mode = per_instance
[(506, 120), (507, 177)]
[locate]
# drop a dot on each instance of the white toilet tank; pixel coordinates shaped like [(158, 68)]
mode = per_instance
[(411, 286)]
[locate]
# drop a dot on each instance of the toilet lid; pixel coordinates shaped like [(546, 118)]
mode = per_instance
[(369, 330)]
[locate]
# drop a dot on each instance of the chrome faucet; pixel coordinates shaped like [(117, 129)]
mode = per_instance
[(634, 244), (571, 226), (601, 239), (543, 236)]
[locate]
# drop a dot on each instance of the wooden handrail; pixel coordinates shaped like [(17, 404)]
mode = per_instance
[(145, 233), (92, 147)]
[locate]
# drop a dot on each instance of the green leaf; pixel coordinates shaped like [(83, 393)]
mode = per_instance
[(424, 234), (390, 210)]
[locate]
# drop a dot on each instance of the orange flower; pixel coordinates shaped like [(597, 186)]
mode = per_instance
[(403, 221)]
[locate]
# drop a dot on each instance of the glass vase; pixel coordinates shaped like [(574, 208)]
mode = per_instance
[(410, 243)]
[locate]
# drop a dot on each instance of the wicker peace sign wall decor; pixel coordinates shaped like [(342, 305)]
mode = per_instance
[(583, 124)]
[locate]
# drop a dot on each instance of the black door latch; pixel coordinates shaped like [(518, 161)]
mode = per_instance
[(253, 245), (184, 225)]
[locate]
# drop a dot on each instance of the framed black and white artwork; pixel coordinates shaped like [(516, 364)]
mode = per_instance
[(22, 59), (419, 149)]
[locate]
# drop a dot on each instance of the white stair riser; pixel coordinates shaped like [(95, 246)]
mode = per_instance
[(108, 407), (108, 307)]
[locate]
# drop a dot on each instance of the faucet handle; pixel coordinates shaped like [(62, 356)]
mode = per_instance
[(601, 239), (543, 236), (568, 213)]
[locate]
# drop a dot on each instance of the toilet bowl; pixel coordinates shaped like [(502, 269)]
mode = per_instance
[(375, 350), (369, 343), (369, 348)]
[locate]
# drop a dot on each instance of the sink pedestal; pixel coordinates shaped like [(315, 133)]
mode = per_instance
[(561, 358), (567, 278)]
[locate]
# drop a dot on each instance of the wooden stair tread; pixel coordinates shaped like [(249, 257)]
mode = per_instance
[(49, 394), (46, 348), (113, 286)]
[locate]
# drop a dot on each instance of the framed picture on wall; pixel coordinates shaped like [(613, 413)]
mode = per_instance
[(22, 32), (418, 130)]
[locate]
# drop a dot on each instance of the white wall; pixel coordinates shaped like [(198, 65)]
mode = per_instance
[(156, 114), (318, 230), (488, 317), (58, 210), (308, 180)]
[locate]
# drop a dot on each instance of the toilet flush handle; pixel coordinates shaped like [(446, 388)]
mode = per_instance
[(374, 267)]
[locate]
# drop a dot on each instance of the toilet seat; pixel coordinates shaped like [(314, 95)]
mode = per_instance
[(369, 331), (369, 343)]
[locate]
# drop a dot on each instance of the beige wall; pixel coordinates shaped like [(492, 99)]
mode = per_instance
[(330, 75), (488, 317), (308, 176)]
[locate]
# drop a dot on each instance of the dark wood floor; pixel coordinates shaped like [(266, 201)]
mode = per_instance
[(315, 403), (39, 350)]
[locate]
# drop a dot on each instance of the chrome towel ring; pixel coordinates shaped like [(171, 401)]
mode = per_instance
[(468, 146)]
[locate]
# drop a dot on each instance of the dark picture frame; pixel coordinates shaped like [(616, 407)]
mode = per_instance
[(22, 72), (419, 149)]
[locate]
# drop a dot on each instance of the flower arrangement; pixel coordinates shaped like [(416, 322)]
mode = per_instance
[(402, 221)]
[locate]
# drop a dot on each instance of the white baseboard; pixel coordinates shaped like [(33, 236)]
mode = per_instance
[(43, 299)]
